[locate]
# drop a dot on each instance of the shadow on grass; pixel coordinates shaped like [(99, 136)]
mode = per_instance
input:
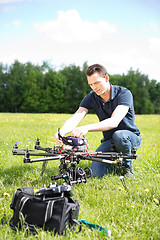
[(18, 174)]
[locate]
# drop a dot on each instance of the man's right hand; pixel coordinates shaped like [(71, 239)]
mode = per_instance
[(71, 123), (56, 137)]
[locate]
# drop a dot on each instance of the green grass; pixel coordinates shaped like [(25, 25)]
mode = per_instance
[(131, 214)]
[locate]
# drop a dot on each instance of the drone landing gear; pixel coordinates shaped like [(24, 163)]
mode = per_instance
[(43, 167)]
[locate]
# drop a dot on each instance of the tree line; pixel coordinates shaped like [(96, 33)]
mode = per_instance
[(30, 88)]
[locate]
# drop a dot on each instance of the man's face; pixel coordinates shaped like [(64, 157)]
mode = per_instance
[(98, 83)]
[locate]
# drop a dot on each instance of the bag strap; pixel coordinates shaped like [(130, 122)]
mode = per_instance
[(23, 201), (18, 195), (97, 227), (49, 210), (17, 207), (21, 205), (17, 210)]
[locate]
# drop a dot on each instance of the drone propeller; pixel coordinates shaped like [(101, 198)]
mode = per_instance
[(24, 150), (21, 150), (16, 144), (37, 142), (34, 139)]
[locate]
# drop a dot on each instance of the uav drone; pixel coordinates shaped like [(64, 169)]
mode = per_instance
[(70, 153)]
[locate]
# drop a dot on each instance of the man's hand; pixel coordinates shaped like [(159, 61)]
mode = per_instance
[(71, 123), (79, 131), (56, 137)]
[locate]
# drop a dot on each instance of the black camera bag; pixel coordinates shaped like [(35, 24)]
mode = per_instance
[(52, 212)]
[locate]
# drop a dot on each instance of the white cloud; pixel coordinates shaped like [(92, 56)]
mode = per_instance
[(71, 40), (151, 26), (69, 27), (16, 23), (155, 44)]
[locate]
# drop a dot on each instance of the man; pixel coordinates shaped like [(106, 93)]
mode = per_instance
[(114, 108)]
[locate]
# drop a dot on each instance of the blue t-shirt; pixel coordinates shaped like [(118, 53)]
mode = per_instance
[(119, 96)]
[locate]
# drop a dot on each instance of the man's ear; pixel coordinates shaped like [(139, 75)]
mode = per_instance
[(107, 78)]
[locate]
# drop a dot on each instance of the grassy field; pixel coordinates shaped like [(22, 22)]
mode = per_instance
[(132, 214)]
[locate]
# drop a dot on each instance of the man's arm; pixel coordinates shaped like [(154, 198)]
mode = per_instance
[(71, 123), (107, 124)]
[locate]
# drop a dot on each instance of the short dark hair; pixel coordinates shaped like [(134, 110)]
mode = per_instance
[(96, 68)]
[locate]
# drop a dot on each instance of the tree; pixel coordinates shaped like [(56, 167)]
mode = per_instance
[(154, 93), (76, 87), (3, 89), (53, 96), (15, 86), (138, 84), (33, 89)]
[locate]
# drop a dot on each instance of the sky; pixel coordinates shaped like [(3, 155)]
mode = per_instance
[(119, 34)]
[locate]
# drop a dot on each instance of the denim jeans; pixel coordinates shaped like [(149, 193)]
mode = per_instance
[(123, 141)]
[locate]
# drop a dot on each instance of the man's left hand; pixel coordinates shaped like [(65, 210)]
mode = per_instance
[(79, 131)]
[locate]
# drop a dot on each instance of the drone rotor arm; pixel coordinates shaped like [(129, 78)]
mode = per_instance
[(57, 157)]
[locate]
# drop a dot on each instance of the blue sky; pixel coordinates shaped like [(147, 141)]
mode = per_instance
[(118, 34)]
